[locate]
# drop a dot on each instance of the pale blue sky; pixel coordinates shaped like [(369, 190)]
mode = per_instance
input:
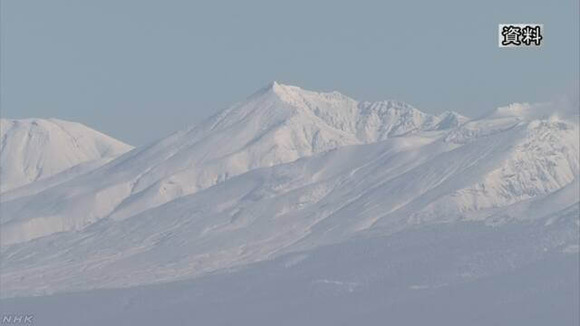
[(140, 69)]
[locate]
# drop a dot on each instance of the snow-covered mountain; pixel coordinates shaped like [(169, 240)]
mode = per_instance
[(278, 124), (34, 149), (286, 171)]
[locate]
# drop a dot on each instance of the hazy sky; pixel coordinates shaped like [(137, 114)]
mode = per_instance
[(140, 69)]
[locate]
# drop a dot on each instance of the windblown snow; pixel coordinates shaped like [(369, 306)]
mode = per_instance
[(285, 171)]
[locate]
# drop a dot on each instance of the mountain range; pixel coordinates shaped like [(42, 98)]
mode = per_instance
[(284, 175)]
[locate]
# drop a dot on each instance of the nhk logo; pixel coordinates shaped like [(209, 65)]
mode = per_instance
[(17, 319)]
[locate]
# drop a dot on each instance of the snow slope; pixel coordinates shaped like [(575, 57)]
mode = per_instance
[(448, 274), (277, 124), (288, 170), (34, 149)]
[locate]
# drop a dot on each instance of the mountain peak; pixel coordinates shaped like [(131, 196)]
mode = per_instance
[(284, 90), (275, 89), (275, 86), (33, 149), (278, 104)]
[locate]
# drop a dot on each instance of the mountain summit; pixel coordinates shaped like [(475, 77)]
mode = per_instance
[(33, 149)]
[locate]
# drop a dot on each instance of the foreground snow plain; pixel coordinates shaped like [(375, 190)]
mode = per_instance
[(310, 208)]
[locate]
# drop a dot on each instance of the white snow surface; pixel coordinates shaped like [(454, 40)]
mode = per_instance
[(34, 149), (278, 124), (291, 171)]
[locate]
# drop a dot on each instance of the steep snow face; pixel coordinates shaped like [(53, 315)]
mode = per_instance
[(33, 149), (381, 120), (542, 161), (543, 158), (450, 119)]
